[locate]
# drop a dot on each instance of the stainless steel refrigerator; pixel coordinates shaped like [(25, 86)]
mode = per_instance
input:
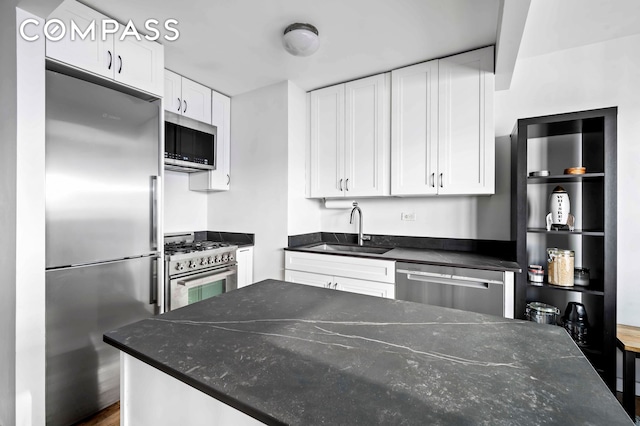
[(102, 167)]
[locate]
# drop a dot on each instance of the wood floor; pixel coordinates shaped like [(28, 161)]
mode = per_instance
[(110, 416)]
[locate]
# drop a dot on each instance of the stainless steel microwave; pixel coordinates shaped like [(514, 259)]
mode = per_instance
[(189, 145)]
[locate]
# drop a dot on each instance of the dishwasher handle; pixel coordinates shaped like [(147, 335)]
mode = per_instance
[(447, 279)]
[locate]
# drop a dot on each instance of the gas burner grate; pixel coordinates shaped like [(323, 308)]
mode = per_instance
[(190, 247)]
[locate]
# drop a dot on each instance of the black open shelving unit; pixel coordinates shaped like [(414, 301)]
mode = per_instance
[(554, 143)]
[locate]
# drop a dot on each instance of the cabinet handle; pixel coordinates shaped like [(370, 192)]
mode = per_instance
[(441, 183), (346, 184), (433, 180), (340, 184), (185, 106), (110, 59), (179, 104), (228, 180), (120, 69)]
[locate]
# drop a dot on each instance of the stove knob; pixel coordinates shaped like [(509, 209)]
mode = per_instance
[(203, 261), (231, 257), (192, 264), (210, 260), (218, 259), (180, 266), (225, 257)]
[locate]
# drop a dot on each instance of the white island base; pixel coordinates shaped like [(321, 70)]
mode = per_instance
[(149, 396)]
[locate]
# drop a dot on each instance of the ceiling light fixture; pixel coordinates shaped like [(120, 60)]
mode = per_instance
[(301, 39)]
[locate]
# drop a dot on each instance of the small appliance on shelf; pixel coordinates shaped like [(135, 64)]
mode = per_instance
[(576, 322)]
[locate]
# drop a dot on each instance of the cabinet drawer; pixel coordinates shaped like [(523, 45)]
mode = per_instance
[(342, 266)]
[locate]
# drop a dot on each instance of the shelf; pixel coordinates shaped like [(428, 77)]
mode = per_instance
[(565, 178), (594, 288), (587, 232)]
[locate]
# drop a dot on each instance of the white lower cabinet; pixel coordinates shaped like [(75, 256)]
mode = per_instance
[(370, 288), (244, 256), (308, 278), (372, 277)]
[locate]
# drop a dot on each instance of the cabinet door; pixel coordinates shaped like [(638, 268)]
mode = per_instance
[(316, 280), (221, 118), (172, 92), (220, 178), (343, 266), (414, 129), (196, 101), (466, 156), (327, 142), (370, 288), (91, 54), (245, 266), (367, 136), (140, 64)]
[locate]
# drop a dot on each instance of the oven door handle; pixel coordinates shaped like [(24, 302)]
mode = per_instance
[(203, 280)]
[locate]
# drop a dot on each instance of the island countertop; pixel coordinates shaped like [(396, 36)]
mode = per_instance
[(292, 354)]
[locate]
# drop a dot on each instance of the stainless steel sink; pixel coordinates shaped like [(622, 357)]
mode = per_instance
[(333, 248)]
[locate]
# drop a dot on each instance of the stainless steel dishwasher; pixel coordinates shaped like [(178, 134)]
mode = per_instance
[(475, 290)]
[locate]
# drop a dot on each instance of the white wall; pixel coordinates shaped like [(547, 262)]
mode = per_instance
[(184, 210), (303, 214), (593, 76), (30, 230), (22, 260), (8, 212), (257, 200), (484, 217)]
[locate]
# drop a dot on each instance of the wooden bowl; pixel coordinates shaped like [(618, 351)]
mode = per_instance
[(575, 171)]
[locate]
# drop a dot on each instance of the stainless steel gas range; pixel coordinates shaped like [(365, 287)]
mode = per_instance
[(197, 270)]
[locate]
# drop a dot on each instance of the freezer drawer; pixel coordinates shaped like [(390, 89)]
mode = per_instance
[(82, 303), (458, 288)]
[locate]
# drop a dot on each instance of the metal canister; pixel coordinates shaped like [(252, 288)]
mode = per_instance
[(560, 265), (542, 313)]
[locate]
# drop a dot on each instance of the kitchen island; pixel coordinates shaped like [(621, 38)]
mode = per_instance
[(283, 353)]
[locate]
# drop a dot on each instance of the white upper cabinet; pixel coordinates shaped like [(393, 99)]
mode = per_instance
[(186, 97), (466, 151), (172, 92), (367, 136), (414, 129), (220, 178), (327, 142), (139, 64), (136, 63), (196, 101), (350, 139), (442, 126), (91, 54)]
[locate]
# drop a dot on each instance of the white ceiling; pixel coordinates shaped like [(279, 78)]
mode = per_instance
[(234, 46), (554, 25)]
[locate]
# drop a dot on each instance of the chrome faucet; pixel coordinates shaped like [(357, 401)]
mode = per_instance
[(361, 238)]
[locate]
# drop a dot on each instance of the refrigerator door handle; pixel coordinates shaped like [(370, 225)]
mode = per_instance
[(153, 299), (155, 190)]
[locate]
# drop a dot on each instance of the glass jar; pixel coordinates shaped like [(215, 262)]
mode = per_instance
[(560, 265)]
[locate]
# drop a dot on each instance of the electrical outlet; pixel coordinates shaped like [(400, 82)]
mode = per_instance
[(408, 216)]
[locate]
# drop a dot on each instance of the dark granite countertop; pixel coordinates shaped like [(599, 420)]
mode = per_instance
[(293, 354), (428, 256)]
